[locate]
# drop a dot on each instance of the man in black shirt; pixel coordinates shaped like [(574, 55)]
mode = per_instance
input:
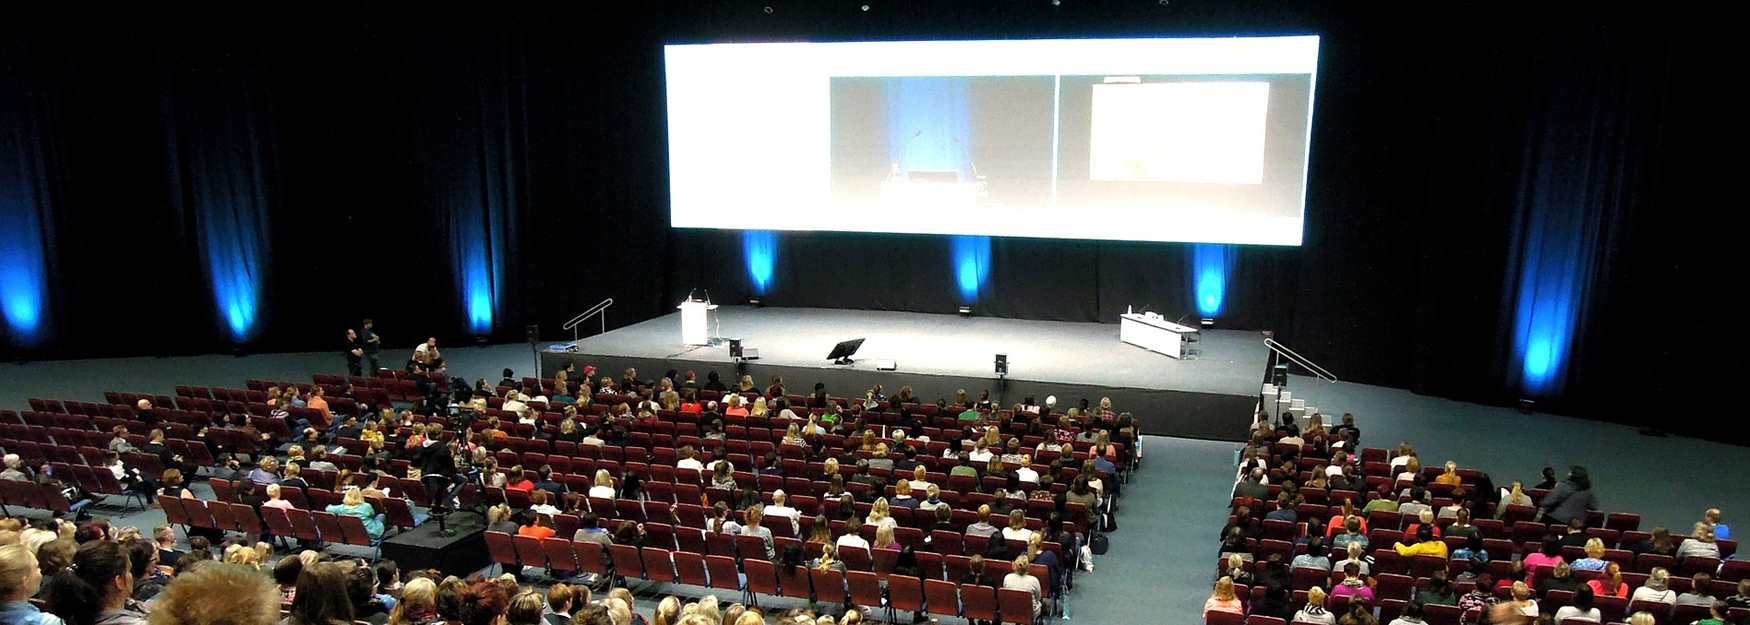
[(372, 344), (714, 383), (545, 481), (355, 353)]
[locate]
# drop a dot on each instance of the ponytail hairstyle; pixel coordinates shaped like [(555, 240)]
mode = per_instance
[(80, 589)]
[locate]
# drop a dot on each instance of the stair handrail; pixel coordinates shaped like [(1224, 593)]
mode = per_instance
[(1296, 358), (600, 309)]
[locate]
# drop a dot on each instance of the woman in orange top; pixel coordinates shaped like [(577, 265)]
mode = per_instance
[(1611, 584)]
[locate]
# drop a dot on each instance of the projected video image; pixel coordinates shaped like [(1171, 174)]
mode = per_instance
[(944, 142), (1167, 139)]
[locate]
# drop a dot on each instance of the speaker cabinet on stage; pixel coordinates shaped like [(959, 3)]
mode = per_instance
[(534, 330), (1279, 375)]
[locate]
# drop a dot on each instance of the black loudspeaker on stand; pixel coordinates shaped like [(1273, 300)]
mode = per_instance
[(534, 333)]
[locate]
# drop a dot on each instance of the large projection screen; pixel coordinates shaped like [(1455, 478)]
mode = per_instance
[(1171, 139)]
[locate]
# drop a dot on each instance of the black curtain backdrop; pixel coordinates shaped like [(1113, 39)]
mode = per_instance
[(1436, 137)]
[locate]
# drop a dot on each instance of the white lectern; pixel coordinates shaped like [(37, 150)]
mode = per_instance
[(695, 319)]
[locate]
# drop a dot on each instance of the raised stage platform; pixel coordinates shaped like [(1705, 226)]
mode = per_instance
[(1210, 397)]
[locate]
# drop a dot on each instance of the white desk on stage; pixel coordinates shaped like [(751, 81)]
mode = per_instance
[(695, 321), (1154, 333)]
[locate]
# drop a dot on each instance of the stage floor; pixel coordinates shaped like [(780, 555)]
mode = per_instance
[(1231, 363), (939, 353)]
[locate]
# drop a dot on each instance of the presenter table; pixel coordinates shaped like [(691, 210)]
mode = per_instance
[(1154, 334)]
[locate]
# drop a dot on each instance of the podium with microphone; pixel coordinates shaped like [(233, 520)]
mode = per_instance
[(696, 316)]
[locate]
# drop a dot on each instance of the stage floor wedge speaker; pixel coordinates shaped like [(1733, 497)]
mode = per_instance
[(886, 365)]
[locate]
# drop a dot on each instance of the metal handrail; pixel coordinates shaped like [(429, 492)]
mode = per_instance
[(1295, 358), (598, 309)]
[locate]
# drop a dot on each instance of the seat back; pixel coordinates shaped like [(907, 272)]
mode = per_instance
[(762, 575), (829, 585), (795, 582), (626, 560), (327, 526), (657, 565), (246, 519), (689, 567), (353, 531), (722, 572), (980, 602), (905, 592), (558, 553), (1015, 605), (528, 550), (591, 558), (502, 548), (943, 597)]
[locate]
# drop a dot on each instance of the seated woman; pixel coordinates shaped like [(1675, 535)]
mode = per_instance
[(1700, 544), (1314, 610), (1223, 599), (1594, 560), (1353, 584), (1580, 608), (1610, 585), (1426, 544), (353, 504), (1657, 588), (1549, 555)]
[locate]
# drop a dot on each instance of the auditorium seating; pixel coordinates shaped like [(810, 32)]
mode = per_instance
[(1396, 578), (676, 549)]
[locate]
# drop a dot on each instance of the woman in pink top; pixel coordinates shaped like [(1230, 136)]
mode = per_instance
[(1223, 599), (1353, 585), (1549, 556), (274, 500)]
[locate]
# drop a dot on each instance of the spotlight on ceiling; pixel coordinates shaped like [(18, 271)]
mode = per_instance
[(865, 8), (768, 9)]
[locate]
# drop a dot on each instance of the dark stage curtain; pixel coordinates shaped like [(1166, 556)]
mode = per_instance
[(30, 178), (221, 156), (513, 173)]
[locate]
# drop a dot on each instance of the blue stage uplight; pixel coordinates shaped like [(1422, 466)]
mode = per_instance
[(1211, 265), (21, 285), (479, 289), (24, 241), (1544, 318), (760, 249), (971, 265), (235, 243)]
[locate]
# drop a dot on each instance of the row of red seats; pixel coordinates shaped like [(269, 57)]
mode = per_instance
[(931, 592)]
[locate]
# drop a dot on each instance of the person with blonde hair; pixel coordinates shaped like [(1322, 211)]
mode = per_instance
[(20, 578), (1642, 618), (1222, 599), (1611, 584), (602, 487), (1020, 579), (668, 611), (353, 504), (418, 603), (750, 617), (1520, 608), (1314, 610), (880, 514), (1450, 476), (1017, 529), (884, 538), (217, 594), (1700, 544), (1594, 560), (1656, 589), (525, 609)]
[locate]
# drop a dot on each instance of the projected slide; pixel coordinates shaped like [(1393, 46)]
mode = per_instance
[(1179, 132), (1140, 139)]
